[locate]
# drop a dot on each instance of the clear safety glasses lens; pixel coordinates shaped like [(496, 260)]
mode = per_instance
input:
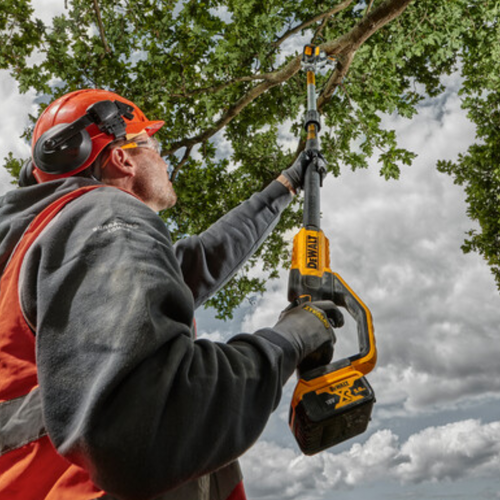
[(142, 141), (139, 141)]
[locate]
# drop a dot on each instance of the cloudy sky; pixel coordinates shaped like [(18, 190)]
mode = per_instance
[(435, 431)]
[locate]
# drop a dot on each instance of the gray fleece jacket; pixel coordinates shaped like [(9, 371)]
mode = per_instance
[(128, 392)]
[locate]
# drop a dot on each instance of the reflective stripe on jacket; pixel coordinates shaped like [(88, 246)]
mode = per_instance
[(30, 467)]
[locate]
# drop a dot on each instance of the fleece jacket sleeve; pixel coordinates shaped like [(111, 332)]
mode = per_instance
[(209, 260), (127, 392)]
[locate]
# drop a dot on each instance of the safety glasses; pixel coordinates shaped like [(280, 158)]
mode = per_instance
[(142, 140)]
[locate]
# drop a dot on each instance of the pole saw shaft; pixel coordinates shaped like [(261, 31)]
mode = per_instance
[(312, 124), (310, 275)]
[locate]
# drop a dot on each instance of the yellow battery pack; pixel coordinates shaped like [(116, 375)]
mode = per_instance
[(329, 406)]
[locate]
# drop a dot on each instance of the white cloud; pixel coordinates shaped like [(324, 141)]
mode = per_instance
[(273, 472), (461, 450), (436, 311), (454, 451), (268, 307), (419, 392), (15, 110), (47, 9), (436, 314), (212, 335)]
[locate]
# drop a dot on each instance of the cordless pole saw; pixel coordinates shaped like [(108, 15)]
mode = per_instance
[(331, 403)]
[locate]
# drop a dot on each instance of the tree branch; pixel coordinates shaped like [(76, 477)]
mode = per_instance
[(221, 86), (370, 24), (101, 28), (369, 7), (319, 31), (346, 46), (320, 17), (272, 80), (335, 79), (185, 158)]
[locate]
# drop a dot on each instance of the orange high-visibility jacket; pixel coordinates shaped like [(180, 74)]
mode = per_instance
[(30, 466)]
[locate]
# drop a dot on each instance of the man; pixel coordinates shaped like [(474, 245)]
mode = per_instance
[(104, 391)]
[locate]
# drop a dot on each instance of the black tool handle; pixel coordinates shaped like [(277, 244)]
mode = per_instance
[(312, 182)]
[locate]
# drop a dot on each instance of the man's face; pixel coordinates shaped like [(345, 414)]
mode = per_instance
[(151, 182)]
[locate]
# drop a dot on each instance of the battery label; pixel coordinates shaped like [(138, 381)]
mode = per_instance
[(345, 393)]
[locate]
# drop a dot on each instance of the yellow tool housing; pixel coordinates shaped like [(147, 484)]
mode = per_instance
[(331, 403)]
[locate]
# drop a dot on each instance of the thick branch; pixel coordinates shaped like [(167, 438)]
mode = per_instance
[(370, 24), (265, 76), (335, 80)]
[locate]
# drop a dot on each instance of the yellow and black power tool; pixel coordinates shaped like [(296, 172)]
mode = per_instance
[(331, 403)]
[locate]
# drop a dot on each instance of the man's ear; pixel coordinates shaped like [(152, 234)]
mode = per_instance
[(122, 163)]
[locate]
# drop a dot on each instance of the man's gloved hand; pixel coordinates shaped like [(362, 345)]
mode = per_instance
[(309, 327), (296, 173)]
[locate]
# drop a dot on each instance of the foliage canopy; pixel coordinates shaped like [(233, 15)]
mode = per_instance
[(225, 76)]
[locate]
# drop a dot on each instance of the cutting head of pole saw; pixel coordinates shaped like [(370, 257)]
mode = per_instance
[(314, 59)]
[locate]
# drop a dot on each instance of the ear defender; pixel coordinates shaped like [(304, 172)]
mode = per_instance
[(61, 150)]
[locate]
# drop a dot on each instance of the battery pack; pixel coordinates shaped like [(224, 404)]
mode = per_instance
[(331, 412)]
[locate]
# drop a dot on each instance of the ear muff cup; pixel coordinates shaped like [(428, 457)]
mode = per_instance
[(65, 158)]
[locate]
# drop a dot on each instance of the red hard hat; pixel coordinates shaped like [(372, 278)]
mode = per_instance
[(73, 106)]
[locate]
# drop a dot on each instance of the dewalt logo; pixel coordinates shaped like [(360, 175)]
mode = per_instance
[(320, 316), (312, 252)]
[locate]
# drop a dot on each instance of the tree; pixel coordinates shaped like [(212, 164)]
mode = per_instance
[(225, 76), (479, 169)]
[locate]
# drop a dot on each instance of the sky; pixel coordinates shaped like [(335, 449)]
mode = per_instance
[(435, 430)]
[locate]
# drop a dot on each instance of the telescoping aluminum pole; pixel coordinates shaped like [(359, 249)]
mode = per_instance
[(311, 57)]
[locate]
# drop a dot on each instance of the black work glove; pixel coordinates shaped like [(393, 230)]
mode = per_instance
[(309, 328), (296, 173)]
